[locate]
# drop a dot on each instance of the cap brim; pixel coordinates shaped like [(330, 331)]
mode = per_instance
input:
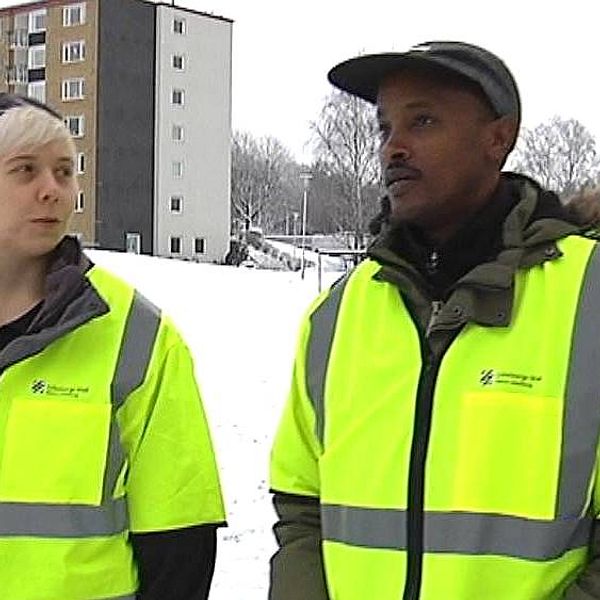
[(361, 76)]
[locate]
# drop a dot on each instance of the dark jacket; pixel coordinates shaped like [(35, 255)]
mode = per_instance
[(517, 229)]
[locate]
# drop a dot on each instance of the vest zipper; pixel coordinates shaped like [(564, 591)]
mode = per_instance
[(416, 474)]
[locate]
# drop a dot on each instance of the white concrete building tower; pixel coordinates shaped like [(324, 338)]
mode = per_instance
[(193, 133)]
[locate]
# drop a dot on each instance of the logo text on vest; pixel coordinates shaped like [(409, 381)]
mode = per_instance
[(42, 387), (490, 377)]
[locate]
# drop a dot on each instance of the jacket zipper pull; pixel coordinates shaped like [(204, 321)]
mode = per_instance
[(433, 262), (436, 309)]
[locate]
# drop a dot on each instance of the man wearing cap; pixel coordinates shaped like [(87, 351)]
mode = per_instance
[(440, 438)]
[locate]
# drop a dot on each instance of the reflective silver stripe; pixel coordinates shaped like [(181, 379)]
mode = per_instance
[(582, 416), (456, 533), (130, 597), (137, 344), (62, 520), (136, 349), (320, 339), (115, 460)]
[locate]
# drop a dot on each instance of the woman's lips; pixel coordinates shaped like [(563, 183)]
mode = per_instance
[(46, 221)]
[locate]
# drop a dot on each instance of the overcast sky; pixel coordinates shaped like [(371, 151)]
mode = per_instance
[(282, 50)]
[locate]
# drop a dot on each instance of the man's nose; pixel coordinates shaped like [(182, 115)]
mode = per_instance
[(395, 147)]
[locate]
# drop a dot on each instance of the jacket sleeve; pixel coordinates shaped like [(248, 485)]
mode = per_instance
[(171, 479), (175, 565), (297, 567), (587, 585)]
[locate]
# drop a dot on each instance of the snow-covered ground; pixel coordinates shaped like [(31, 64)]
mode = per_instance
[(327, 262), (241, 325)]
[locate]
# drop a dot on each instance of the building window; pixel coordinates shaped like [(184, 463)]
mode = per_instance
[(74, 14), (79, 202), (199, 245), (177, 133), (177, 169), (178, 62), (175, 244), (37, 21), (19, 39), (37, 91), (73, 89), (37, 57), (133, 242), (34, 75), (75, 125), (178, 97), (176, 204), (80, 163), (179, 26), (73, 51)]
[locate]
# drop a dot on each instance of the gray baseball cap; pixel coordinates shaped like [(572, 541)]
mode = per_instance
[(361, 76)]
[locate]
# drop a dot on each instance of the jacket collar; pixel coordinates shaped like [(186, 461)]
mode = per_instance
[(527, 236), (70, 301)]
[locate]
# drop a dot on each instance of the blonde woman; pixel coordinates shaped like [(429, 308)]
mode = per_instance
[(108, 482)]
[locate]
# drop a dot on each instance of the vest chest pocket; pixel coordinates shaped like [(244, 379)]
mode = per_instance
[(54, 452), (509, 451)]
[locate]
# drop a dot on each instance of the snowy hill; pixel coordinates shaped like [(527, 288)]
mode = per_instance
[(241, 325)]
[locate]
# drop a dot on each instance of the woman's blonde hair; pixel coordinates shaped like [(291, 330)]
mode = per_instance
[(25, 123)]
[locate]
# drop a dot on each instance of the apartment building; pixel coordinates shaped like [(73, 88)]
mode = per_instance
[(145, 89)]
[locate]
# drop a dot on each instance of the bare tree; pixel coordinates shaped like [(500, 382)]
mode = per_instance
[(280, 184), (245, 195), (345, 137), (560, 154), (263, 182)]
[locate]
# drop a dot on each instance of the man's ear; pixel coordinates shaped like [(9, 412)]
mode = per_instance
[(502, 133)]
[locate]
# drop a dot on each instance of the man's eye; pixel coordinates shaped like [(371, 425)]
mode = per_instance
[(423, 120)]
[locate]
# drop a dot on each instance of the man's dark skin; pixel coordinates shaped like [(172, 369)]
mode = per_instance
[(441, 150)]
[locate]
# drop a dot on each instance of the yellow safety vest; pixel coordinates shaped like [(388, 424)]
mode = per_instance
[(77, 452), (507, 492)]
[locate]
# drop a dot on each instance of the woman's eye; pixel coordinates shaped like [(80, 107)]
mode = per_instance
[(25, 168), (66, 171)]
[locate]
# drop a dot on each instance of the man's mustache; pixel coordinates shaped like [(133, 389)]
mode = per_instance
[(397, 171)]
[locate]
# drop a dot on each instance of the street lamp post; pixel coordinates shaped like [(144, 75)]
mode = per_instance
[(295, 215), (306, 177)]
